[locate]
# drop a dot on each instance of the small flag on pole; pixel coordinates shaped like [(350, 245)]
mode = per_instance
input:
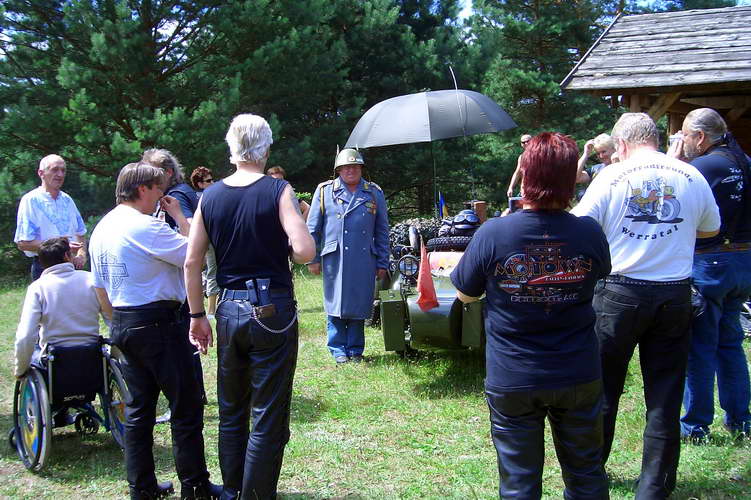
[(441, 208)]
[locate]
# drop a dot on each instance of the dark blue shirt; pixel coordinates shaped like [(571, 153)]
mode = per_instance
[(188, 200), (539, 270), (723, 174)]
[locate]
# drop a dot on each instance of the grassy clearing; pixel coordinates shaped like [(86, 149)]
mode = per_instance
[(388, 428)]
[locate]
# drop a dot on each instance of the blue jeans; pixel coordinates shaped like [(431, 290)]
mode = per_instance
[(346, 336), (716, 346)]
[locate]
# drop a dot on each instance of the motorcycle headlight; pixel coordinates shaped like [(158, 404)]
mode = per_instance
[(409, 266)]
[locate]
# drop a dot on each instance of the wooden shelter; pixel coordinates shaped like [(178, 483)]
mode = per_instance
[(674, 62)]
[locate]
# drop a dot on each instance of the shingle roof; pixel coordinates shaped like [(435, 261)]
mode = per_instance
[(668, 51)]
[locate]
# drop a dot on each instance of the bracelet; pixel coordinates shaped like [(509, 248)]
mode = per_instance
[(197, 315)]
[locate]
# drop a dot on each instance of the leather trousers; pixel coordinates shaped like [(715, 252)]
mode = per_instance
[(254, 378), (158, 357), (518, 429)]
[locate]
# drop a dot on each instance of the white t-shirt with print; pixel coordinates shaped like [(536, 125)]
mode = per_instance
[(137, 258), (650, 208)]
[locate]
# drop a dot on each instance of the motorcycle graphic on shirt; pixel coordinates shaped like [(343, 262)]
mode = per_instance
[(655, 203)]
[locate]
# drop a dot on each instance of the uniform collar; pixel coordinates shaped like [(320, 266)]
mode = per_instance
[(362, 186)]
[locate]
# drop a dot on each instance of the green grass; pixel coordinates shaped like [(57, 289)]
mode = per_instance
[(387, 428)]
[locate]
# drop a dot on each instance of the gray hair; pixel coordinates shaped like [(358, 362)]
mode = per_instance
[(164, 159), (636, 129), (133, 175), (709, 121), (49, 159), (603, 141), (249, 138)]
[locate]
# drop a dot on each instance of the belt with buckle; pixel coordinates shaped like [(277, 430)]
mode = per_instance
[(276, 293), (725, 247), (625, 280)]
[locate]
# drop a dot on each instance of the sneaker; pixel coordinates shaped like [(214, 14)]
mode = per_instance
[(698, 437), (210, 317), (357, 358), (739, 432), (164, 418), (340, 360)]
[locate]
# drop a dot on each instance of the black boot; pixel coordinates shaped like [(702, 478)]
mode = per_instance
[(162, 490), (204, 491)]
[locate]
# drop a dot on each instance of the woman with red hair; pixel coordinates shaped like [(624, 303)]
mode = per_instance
[(538, 268)]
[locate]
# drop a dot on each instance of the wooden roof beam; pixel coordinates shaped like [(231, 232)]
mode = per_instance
[(734, 114), (662, 104), (721, 102)]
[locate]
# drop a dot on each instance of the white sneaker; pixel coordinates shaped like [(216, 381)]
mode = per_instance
[(210, 317)]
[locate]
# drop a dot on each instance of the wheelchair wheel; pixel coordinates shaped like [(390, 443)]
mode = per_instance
[(32, 421), (119, 396)]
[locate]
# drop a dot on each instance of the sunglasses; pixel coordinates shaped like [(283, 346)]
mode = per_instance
[(524, 142), (208, 180)]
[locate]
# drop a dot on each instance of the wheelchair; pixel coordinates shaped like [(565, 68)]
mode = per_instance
[(67, 378)]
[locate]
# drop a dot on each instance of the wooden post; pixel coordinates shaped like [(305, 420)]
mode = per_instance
[(634, 103), (734, 114)]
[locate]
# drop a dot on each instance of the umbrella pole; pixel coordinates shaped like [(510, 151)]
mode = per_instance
[(435, 183)]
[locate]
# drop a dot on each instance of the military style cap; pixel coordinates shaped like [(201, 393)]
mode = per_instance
[(348, 156)]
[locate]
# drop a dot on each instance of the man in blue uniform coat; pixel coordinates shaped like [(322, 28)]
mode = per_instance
[(350, 226)]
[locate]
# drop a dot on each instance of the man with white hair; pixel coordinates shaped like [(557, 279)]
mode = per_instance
[(47, 212), (652, 208), (722, 274), (253, 223)]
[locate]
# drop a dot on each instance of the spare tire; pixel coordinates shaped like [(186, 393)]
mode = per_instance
[(446, 243)]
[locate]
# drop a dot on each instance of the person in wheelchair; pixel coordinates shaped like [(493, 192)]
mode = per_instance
[(60, 308)]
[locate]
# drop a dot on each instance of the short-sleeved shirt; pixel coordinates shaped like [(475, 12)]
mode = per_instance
[(650, 207), (725, 177), (40, 217), (538, 270), (137, 258), (187, 197)]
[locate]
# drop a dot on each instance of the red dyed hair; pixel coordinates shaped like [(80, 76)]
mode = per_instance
[(548, 167)]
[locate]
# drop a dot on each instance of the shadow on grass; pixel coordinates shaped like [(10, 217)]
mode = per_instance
[(314, 496), (704, 488), (439, 374), (75, 458), (306, 410)]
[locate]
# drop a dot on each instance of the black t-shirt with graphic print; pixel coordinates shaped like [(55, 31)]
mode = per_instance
[(539, 270)]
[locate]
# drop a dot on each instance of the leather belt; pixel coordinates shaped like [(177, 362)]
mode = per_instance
[(276, 293), (725, 247), (625, 280)]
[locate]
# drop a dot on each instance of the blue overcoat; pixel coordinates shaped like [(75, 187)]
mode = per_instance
[(351, 231)]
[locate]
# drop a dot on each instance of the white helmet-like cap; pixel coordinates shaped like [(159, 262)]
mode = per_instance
[(348, 156)]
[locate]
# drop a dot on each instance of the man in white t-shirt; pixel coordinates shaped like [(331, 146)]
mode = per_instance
[(652, 208), (137, 263)]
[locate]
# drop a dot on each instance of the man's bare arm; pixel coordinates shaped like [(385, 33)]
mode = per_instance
[(466, 299), (705, 234), (104, 302), (29, 246), (303, 246)]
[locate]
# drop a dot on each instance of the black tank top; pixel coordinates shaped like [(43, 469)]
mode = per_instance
[(244, 229)]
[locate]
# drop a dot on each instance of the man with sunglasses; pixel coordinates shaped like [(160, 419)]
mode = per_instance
[(517, 176), (350, 226)]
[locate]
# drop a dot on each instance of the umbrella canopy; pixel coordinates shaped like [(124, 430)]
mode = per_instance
[(428, 116)]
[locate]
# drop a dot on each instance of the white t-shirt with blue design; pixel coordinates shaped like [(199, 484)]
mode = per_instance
[(40, 217)]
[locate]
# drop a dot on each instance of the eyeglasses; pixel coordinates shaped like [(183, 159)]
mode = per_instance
[(208, 180)]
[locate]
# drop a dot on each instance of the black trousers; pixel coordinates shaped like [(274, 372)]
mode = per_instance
[(159, 357), (36, 268), (254, 377), (517, 425), (656, 318)]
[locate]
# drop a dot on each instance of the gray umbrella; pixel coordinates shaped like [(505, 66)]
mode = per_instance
[(428, 116)]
